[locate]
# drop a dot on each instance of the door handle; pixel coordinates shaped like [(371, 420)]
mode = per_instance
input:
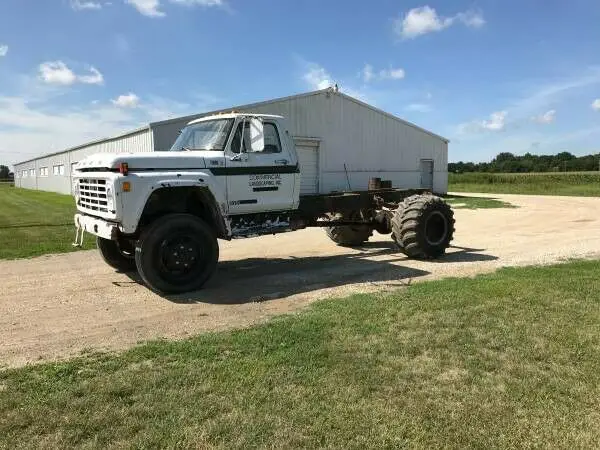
[(281, 161)]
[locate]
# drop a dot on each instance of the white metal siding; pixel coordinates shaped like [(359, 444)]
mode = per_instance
[(308, 159)]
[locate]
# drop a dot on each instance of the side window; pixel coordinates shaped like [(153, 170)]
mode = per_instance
[(272, 142)]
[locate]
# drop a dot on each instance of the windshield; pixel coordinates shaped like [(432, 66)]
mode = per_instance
[(208, 135)]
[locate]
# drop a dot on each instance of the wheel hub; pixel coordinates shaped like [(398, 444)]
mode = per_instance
[(180, 255), (436, 228)]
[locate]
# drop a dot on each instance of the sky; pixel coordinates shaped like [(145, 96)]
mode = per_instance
[(491, 76)]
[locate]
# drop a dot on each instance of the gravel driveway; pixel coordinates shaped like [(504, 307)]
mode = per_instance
[(56, 306)]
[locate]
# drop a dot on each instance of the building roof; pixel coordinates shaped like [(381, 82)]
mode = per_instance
[(191, 117), (291, 97)]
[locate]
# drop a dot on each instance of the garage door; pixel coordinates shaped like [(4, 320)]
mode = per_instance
[(308, 157)]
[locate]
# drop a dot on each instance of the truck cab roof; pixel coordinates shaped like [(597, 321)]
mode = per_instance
[(233, 115)]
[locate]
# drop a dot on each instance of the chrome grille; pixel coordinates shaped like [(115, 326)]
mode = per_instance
[(93, 195)]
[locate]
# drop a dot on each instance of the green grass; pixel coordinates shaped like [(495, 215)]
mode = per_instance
[(505, 360), (34, 223), (459, 202), (552, 183)]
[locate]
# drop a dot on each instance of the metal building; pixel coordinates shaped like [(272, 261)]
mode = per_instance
[(341, 143)]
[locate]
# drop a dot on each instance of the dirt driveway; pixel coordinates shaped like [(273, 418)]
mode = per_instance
[(56, 306)]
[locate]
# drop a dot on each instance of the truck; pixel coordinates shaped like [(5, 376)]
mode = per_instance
[(229, 176)]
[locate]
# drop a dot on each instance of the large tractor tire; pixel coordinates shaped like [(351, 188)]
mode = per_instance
[(423, 226), (349, 235), (119, 257), (177, 253)]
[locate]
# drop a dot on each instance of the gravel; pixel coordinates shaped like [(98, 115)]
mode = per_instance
[(57, 306)]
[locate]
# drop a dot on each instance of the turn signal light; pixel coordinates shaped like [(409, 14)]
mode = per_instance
[(124, 168), (126, 186)]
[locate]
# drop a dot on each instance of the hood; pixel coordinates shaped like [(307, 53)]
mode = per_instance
[(148, 160)]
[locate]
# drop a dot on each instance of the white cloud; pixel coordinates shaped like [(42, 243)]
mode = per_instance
[(147, 7), (32, 124), (418, 107), (79, 5), (596, 104), (152, 8), (496, 122), (368, 73), (199, 2), (3, 50), (472, 19), (423, 20), (392, 74), (58, 73), (95, 77), (546, 118), (126, 101), (317, 77)]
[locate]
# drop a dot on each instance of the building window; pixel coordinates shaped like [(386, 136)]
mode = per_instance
[(43, 171), (32, 173), (58, 170)]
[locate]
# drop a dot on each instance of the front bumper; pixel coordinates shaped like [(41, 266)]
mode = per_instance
[(97, 227)]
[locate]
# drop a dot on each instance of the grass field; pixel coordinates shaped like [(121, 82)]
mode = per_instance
[(459, 202), (505, 360), (557, 183), (34, 223)]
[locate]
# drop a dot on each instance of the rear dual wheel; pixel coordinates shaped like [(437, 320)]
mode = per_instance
[(349, 235)]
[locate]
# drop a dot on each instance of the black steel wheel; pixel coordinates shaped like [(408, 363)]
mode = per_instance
[(423, 226), (118, 255), (177, 253)]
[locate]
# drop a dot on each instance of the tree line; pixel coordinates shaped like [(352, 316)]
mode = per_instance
[(507, 163), (5, 173)]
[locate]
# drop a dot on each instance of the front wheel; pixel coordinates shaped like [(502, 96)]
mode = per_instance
[(177, 253)]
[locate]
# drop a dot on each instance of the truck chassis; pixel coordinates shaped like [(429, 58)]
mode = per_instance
[(177, 250)]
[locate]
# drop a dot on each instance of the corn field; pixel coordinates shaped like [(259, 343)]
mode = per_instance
[(542, 183)]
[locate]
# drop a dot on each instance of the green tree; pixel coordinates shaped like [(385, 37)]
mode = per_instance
[(4, 172)]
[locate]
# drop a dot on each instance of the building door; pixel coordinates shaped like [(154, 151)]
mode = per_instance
[(427, 174), (308, 160)]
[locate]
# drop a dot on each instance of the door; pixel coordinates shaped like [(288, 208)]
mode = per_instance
[(427, 174), (259, 181), (308, 161)]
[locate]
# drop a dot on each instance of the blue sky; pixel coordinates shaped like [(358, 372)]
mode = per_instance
[(492, 76)]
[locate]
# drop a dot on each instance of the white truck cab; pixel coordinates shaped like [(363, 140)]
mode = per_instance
[(228, 176)]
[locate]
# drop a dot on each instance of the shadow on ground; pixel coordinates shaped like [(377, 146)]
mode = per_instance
[(263, 279)]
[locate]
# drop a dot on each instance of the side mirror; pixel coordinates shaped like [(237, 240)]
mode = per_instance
[(257, 136)]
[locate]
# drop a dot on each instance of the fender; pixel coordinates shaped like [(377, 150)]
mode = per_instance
[(213, 196)]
